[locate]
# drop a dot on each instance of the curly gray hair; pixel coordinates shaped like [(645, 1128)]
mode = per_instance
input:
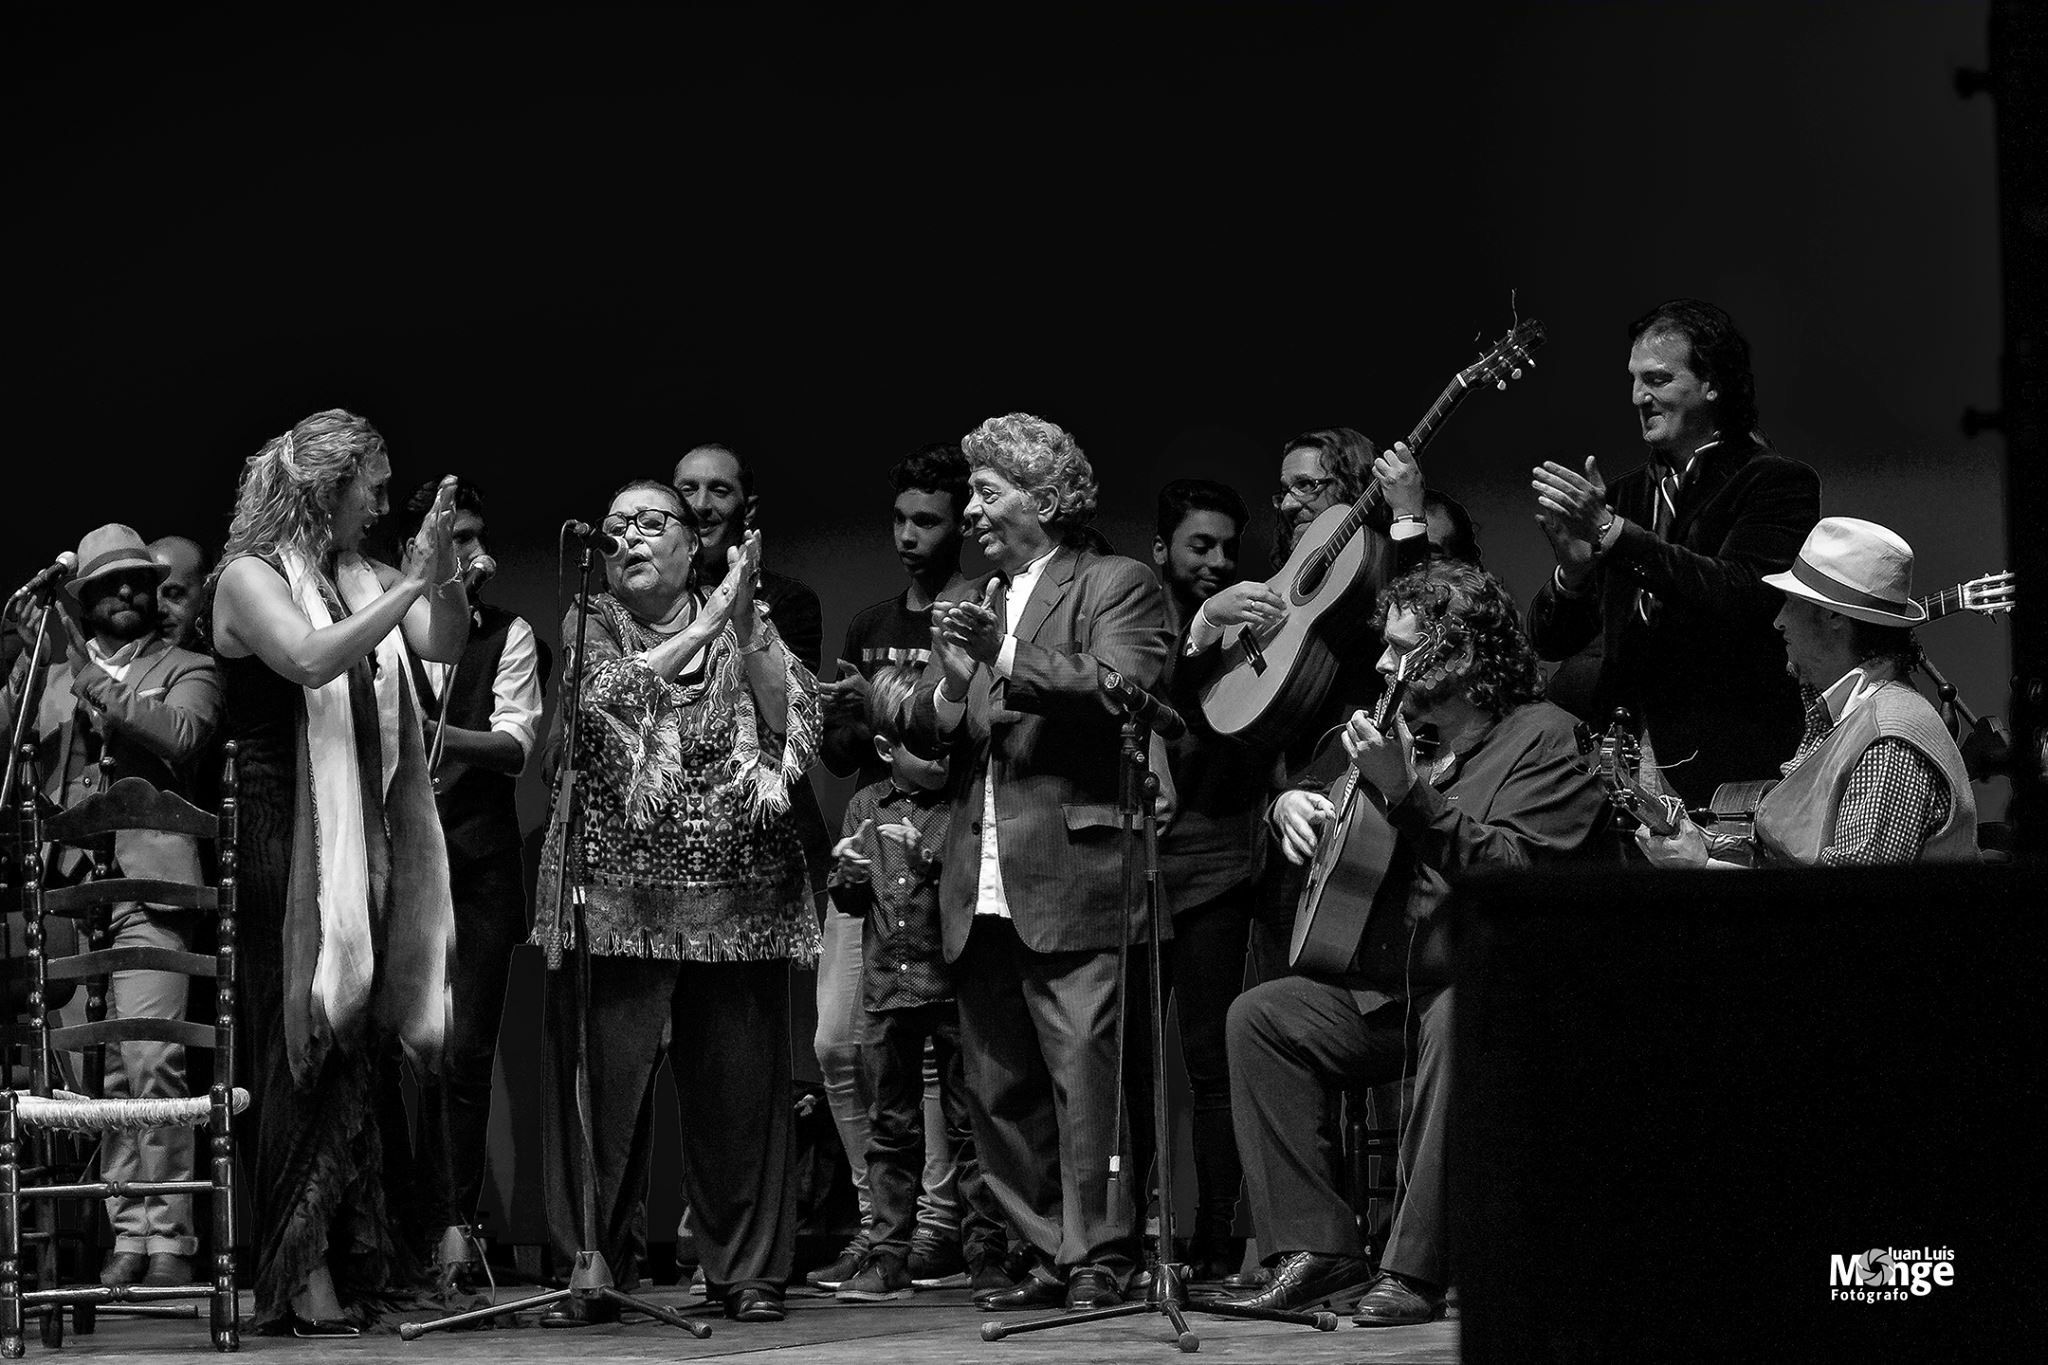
[(1031, 452)]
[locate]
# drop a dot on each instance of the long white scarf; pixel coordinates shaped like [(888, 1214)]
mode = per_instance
[(414, 1000)]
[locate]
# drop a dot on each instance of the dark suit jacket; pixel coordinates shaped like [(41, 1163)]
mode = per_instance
[(1707, 676), (794, 609), (1054, 741)]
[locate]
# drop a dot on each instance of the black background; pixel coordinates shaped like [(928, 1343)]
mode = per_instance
[(550, 251)]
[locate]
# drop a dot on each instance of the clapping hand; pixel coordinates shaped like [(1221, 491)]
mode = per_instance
[(847, 860), (1571, 508), (429, 557), (845, 697), (743, 573)]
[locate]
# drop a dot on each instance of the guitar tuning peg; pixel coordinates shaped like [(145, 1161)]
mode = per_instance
[(1530, 361), (1515, 373), (1501, 384)]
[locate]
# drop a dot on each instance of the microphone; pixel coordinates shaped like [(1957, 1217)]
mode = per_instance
[(478, 572), (583, 533), (1132, 700), (40, 585)]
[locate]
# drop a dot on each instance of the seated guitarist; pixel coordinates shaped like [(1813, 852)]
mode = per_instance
[(1507, 789), (1319, 470), (1877, 777)]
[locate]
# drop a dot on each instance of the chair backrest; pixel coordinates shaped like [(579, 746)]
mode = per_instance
[(96, 823)]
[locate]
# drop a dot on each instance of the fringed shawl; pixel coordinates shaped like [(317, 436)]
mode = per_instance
[(369, 921), (684, 846)]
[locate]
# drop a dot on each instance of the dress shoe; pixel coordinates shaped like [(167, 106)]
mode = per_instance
[(851, 1258), (1032, 1291), (1394, 1301), (1257, 1277), (1089, 1287), (168, 1268), (575, 1312), (321, 1329), (1303, 1279), (1212, 1258), (754, 1304), (124, 1267)]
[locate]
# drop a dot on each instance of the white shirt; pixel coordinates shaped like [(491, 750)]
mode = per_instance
[(515, 692), (989, 898)]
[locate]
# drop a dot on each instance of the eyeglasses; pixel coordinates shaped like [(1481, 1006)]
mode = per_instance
[(1303, 491), (649, 521)]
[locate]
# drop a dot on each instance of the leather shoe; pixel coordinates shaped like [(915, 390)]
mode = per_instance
[(1396, 1302), (124, 1267), (1257, 1277), (753, 1304), (1029, 1292), (580, 1313), (1089, 1287), (168, 1268), (1303, 1279)]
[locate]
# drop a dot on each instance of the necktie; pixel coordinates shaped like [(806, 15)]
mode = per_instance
[(1670, 485)]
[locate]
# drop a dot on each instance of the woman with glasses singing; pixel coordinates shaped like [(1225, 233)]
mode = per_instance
[(685, 877)]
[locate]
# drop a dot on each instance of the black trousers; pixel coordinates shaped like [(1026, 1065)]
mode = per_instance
[(1203, 970), (724, 1029), (455, 1108), (1294, 1044), (892, 1059), (1039, 1034)]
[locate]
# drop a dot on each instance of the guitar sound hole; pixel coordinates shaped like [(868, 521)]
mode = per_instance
[(1311, 579)]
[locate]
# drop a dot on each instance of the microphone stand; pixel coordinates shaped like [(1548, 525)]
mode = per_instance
[(30, 698), (590, 1281), (1137, 806), (1986, 745)]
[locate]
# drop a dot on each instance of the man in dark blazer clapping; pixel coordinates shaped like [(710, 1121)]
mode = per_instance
[(1031, 894), (1665, 569)]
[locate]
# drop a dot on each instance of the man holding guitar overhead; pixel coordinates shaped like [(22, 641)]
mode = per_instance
[(1665, 569), (1507, 788)]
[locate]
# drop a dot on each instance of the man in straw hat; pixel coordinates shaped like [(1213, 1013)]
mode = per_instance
[(1877, 777), (119, 701)]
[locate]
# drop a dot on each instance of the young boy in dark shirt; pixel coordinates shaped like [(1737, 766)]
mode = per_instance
[(886, 869)]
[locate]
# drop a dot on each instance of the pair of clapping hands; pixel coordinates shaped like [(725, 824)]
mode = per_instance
[(1385, 760), (854, 866)]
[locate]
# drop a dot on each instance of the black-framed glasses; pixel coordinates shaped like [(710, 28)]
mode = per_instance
[(649, 521), (1303, 491)]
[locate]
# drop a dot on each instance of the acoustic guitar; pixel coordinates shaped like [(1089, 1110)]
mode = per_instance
[(1989, 595), (1356, 848), (1730, 814), (1265, 686)]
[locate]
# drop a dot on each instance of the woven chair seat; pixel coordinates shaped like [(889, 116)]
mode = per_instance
[(81, 1114)]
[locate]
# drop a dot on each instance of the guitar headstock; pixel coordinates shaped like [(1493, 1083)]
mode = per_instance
[(1508, 357), (1991, 594), (1620, 765)]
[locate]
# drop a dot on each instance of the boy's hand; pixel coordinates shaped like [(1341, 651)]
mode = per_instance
[(849, 863), (910, 841)]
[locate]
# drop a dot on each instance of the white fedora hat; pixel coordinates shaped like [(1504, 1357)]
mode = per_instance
[(1856, 568)]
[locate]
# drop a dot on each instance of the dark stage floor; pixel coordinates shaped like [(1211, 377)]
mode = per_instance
[(937, 1326)]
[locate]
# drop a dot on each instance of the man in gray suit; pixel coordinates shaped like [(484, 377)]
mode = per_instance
[(118, 701), (1031, 893)]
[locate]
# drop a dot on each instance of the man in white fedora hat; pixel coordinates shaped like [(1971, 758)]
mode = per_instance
[(1877, 777), (119, 701)]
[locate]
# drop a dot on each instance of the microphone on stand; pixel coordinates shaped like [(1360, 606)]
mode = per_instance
[(1132, 700), (42, 583), (478, 572), (583, 533)]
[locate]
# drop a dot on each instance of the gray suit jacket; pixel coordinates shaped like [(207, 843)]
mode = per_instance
[(158, 725), (1054, 744)]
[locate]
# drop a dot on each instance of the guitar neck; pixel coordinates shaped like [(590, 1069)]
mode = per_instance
[(1944, 603), (1374, 497)]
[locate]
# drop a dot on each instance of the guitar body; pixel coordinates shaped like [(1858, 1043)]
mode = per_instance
[(1343, 883), (1265, 687), (1261, 700)]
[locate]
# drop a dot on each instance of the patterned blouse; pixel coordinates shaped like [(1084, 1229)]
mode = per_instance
[(684, 844)]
